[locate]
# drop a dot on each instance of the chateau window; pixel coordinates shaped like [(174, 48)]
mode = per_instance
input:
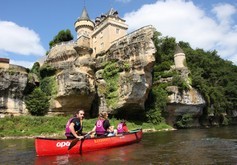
[(117, 31)]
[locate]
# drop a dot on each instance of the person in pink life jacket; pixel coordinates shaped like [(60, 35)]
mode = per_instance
[(122, 127), (102, 126), (74, 126)]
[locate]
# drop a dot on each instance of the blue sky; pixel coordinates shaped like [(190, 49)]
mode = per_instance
[(27, 26)]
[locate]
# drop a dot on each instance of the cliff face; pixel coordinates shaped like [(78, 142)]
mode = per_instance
[(186, 102), (134, 80), (80, 76), (118, 80), (75, 78), (12, 84)]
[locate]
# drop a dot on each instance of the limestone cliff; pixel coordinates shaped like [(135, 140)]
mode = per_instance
[(186, 102), (116, 80), (135, 50), (75, 78), (80, 79), (12, 84)]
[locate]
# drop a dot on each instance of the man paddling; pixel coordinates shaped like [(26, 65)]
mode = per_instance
[(74, 126)]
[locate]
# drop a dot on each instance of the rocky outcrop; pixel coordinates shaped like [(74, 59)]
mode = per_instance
[(136, 51), (186, 102), (12, 85), (189, 97), (79, 77), (75, 78)]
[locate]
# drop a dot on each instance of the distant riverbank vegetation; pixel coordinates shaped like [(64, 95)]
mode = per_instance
[(31, 126), (213, 77)]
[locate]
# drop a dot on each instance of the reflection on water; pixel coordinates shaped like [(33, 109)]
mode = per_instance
[(191, 146), (120, 155), (16, 151)]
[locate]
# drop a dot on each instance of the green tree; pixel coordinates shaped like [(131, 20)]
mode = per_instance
[(49, 85), (46, 71), (35, 68), (156, 105), (212, 76), (37, 103), (33, 79), (62, 36)]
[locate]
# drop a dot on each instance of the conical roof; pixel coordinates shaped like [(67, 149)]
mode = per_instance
[(178, 49), (84, 15)]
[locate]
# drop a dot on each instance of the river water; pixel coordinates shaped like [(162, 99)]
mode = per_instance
[(188, 146)]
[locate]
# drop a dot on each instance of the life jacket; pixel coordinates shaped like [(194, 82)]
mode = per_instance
[(120, 128), (100, 128), (67, 129)]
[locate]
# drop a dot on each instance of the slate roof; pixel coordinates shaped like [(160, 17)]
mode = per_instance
[(178, 49), (84, 15)]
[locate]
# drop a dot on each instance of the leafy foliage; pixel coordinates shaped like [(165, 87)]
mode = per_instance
[(157, 105), (49, 86), (184, 121), (35, 69), (37, 103), (214, 77), (46, 71), (180, 82), (110, 75), (33, 78), (62, 36)]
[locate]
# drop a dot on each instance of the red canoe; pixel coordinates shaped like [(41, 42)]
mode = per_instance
[(51, 146)]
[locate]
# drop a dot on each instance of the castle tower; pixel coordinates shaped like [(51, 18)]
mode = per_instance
[(84, 28), (179, 58), (108, 27)]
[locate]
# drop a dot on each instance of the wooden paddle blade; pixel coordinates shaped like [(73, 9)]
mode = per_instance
[(73, 143)]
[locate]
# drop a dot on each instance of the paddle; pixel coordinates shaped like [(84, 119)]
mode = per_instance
[(135, 130), (74, 142)]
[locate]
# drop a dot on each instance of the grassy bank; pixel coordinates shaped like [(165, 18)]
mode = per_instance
[(19, 126)]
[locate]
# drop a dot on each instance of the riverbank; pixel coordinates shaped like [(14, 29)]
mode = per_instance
[(35, 126), (61, 136)]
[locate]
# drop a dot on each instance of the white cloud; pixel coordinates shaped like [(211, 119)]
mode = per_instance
[(187, 22), (26, 64), (224, 13), (19, 40)]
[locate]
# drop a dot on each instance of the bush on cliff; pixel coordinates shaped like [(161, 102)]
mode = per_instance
[(37, 103)]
